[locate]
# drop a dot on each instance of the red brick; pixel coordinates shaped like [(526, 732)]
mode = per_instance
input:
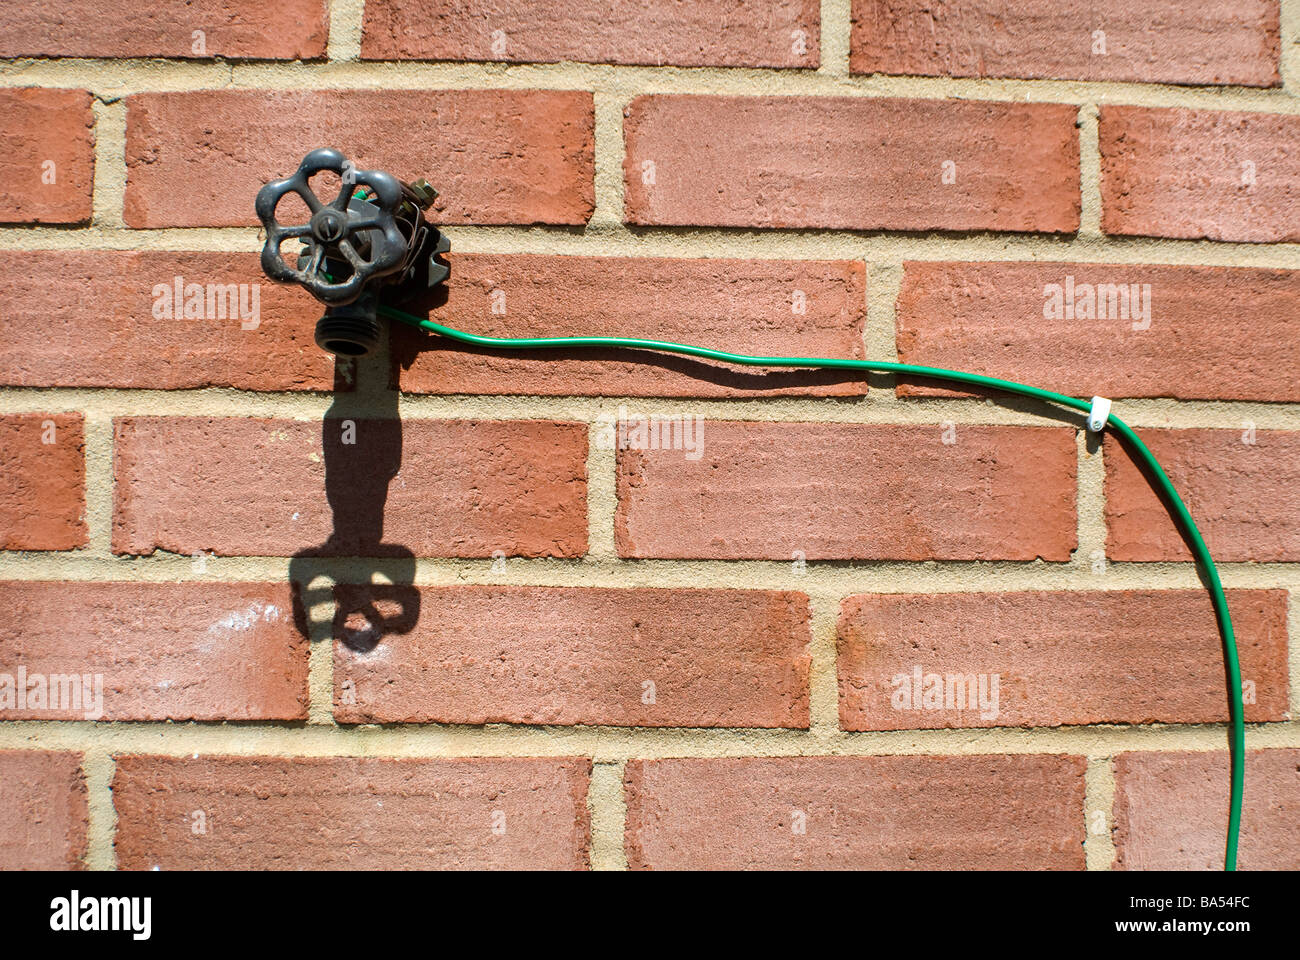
[(43, 810), (1001, 319), (1183, 173), (1062, 657), (313, 813), (42, 485), (453, 488), (1159, 41), (159, 651), (232, 29), (851, 491), (1171, 811), (862, 813), (1242, 487), (496, 156), (87, 319), (568, 655), (799, 162), (745, 305), (48, 134), (704, 33)]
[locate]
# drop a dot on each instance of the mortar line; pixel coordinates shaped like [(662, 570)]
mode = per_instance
[(607, 808), (1289, 67), (109, 179), (98, 767), (99, 483), (345, 26), (320, 672), (883, 411), (602, 481), (836, 38), (840, 578), (1089, 171), (614, 239), (343, 71), (1098, 804), (608, 156), (615, 744), (884, 284), (823, 674), (1090, 504)]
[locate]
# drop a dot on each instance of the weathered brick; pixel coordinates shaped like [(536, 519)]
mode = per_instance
[(42, 481), (1061, 657), (312, 813), (1242, 487), (43, 810), (1158, 41), (47, 166), (110, 319), (768, 307), (1153, 331), (836, 491), (230, 29), (566, 655), (497, 156), (1171, 811), (154, 651), (704, 33), (259, 487), (1174, 172), (864, 813), (799, 162)]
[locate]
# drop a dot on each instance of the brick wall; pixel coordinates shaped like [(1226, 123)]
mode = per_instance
[(841, 622)]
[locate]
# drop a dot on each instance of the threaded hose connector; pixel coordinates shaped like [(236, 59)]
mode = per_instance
[(351, 330)]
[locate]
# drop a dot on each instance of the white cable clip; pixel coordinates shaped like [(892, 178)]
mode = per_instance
[(1098, 415)]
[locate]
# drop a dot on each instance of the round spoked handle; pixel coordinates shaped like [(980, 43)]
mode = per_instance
[(334, 226)]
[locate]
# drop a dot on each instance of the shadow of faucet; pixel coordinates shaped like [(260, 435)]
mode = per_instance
[(361, 440)]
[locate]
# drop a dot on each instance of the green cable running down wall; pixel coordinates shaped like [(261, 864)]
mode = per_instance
[(1156, 475)]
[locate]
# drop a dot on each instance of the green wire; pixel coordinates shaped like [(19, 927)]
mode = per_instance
[(1178, 510)]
